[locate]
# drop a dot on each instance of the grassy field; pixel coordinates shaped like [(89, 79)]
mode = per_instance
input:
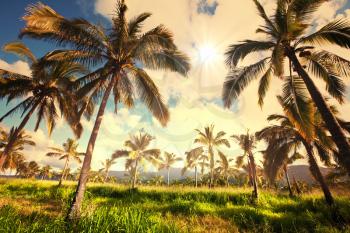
[(38, 206)]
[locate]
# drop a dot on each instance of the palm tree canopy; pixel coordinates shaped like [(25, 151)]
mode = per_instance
[(167, 160), (288, 29), (69, 151), (121, 53), (137, 150), (207, 137), (48, 89), (16, 151)]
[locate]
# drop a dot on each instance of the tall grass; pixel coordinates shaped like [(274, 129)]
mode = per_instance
[(34, 206)]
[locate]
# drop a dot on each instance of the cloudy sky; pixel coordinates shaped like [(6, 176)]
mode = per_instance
[(203, 29)]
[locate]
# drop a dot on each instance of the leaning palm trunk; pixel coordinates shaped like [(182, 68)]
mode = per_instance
[(316, 172), (296, 186), (253, 168), (63, 176), (332, 124), (15, 134), (285, 169), (75, 207)]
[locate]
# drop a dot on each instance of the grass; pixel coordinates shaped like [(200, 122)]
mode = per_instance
[(38, 206)]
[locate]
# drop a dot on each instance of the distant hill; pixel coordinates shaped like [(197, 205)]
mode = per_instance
[(300, 172)]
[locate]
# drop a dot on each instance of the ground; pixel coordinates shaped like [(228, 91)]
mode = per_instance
[(39, 206)]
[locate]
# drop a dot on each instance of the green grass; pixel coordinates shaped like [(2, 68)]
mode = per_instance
[(36, 206)]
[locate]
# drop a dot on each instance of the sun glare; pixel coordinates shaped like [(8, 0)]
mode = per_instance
[(207, 53)]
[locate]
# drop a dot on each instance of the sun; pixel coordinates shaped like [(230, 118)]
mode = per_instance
[(207, 53)]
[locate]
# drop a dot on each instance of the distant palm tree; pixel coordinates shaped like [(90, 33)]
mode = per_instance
[(212, 142), (224, 168), (166, 161), (15, 153), (286, 37), (137, 154), (195, 158), (45, 172), (30, 170), (121, 53), (106, 166), (68, 153), (247, 142)]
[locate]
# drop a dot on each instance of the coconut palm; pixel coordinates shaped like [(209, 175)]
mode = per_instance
[(46, 91), (107, 164), (122, 52), (224, 168), (247, 142), (287, 37), (45, 172), (195, 158), (68, 153), (15, 153), (166, 161), (137, 154), (285, 137), (212, 141)]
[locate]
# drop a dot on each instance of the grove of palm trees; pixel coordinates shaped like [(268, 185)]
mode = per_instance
[(137, 138)]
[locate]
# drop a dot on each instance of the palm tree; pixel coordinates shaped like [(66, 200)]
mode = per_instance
[(68, 153), (195, 158), (32, 169), (106, 166), (224, 168), (137, 154), (46, 91), (166, 162), (287, 37), (289, 134), (45, 172), (15, 153), (247, 143), (272, 157), (121, 54), (212, 142)]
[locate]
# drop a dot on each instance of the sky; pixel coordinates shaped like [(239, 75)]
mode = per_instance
[(203, 29)]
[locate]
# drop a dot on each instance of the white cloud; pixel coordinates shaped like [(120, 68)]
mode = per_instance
[(20, 67)]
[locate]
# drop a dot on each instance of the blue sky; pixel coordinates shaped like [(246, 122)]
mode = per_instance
[(203, 29)]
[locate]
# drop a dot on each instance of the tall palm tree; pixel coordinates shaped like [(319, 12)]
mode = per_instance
[(137, 154), (45, 172), (247, 142), (47, 91), (166, 161), (107, 164), (121, 53), (68, 153), (212, 142), (195, 158), (15, 153), (288, 135), (286, 39)]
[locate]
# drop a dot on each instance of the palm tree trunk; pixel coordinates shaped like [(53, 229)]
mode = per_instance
[(107, 170), (332, 124), (63, 173), (168, 176), (211, 154), (196, 176), (134, 178), (75, 207), (253, 167), (12, 138), (296, 186), (285, 169), (316, 172)]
